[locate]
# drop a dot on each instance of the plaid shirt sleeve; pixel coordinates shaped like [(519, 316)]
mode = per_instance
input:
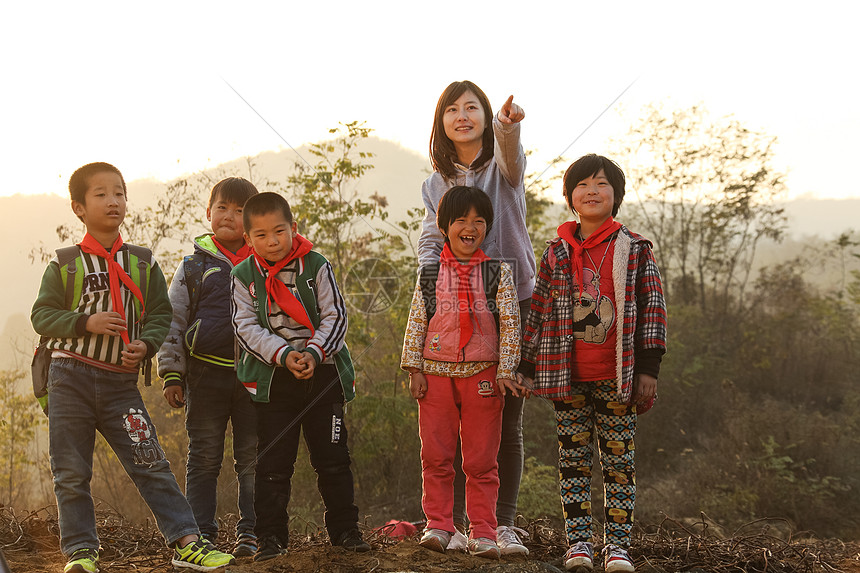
[(541, 304), (651, 306)]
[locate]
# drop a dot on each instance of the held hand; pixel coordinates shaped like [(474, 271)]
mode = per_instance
[(175, 396), (527, 384), (292, 362), (305, 366), (506, 384), (511, 112), (134, 352), (644, 388), (109, 323), (417, 385)]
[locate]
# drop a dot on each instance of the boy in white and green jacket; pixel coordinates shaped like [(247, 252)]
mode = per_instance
[(290, 322)]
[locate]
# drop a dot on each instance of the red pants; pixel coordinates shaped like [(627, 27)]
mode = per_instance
[(473, 407)]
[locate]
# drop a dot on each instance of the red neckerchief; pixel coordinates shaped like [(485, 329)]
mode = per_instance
[(280, 293), (464, 290), (235, 258), (567, 231), (115, 274)]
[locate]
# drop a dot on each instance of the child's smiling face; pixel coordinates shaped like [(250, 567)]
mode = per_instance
[(593, 198), (465, 234)]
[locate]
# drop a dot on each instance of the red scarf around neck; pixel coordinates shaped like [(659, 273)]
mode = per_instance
[(567, 231), (235, 258), (280, 293), (465, 302), (115, 274)]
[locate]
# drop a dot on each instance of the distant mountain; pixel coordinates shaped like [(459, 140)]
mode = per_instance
[(397, 175)]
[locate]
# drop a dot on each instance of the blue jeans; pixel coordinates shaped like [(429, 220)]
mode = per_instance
[(84, 399), (214, 397)]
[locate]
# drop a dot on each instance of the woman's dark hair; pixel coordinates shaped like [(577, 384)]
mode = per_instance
[(263, 204), (232, 190), (589, 166), (442, 152), (457, 202)]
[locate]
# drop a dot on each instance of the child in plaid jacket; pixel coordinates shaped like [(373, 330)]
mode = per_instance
[(593, 343)]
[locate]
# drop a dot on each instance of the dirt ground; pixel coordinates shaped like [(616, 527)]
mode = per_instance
[(30, 545)]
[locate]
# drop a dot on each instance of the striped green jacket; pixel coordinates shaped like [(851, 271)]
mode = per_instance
[(65, 324)]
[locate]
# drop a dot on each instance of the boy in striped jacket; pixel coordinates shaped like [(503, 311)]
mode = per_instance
[(594, 339), (105, 313)]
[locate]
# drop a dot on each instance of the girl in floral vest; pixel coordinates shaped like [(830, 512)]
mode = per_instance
[(461, 350), (595, 335)]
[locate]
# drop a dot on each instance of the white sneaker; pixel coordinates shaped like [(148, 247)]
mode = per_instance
[(579, 557), (458, 541), (509, 542), (616, 560), (435, 540)]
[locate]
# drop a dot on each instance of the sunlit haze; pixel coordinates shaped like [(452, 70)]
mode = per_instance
[(145, 86)]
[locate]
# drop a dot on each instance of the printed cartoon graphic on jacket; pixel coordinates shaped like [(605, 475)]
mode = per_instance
[(593, 312)]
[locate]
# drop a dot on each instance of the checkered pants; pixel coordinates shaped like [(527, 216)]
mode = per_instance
[(594, 405)]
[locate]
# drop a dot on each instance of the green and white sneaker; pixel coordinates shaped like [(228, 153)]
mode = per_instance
[(201, 555), (83, 561)]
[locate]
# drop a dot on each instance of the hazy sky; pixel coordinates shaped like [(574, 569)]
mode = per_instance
[(142, 85)]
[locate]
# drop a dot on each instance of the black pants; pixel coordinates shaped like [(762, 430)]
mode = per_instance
[(279, 424)]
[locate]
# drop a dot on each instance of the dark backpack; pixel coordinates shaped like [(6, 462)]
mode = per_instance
[(491, 271), (67, 257)]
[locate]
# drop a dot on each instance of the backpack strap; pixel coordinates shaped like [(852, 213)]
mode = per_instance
[(140, 275), (67, 257), (491, 271), (144, 262), (193, 269), (427, 280)]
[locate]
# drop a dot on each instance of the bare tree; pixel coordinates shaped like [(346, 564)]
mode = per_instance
[(707, 194)]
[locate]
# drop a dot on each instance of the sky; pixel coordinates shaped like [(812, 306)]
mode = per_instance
[(162, 89)]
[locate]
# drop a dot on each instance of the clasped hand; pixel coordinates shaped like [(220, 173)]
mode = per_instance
[(301, 364)]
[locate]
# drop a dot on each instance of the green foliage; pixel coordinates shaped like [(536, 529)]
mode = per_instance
[(20, 419), (539, 493)]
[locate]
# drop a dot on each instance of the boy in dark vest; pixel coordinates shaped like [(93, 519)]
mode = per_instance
[(114, 321), (197, 364), (290, 321)]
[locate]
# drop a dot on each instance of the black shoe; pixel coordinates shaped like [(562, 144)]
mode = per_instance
[(352, 540), (269, 547)]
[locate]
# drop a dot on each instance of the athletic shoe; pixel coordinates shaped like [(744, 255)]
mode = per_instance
[(83, 561), (269, 547), (200, 555), (579, 558), (459, 541), (435, 540), (246, 545), (616, 560), (509, 542), (352, 540), (484, 547)]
